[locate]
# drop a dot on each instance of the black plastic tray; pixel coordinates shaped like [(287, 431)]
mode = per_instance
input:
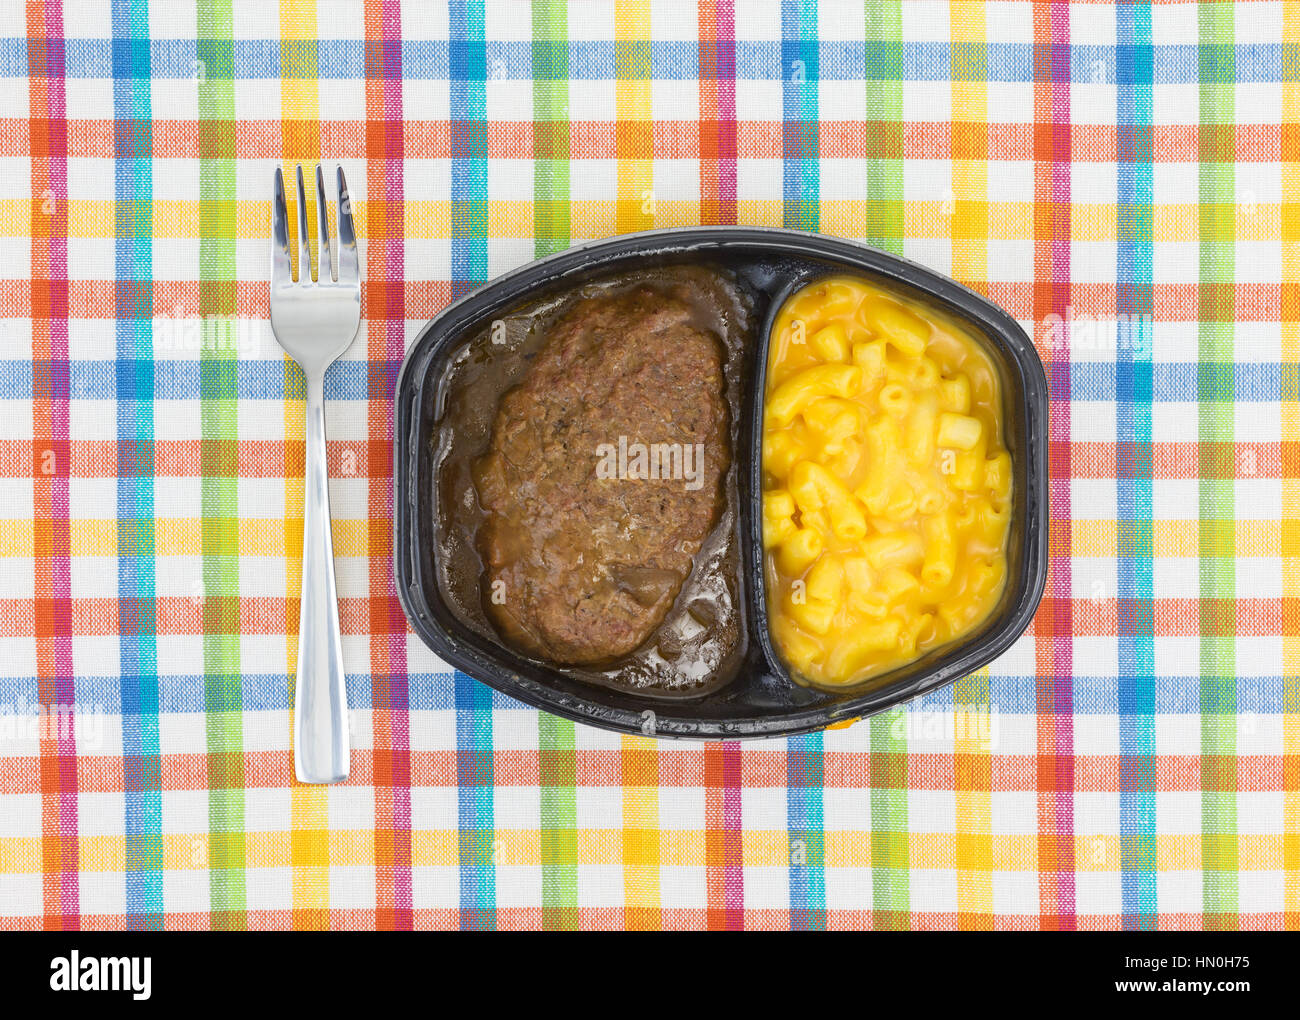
[(762, 700)]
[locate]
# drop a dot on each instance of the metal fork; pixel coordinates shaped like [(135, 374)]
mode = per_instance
[(315, 321)]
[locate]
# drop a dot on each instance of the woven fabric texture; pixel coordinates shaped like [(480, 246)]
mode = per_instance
[(1122, 179)]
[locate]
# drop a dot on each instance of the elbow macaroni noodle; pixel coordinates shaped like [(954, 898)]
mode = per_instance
[(886, 485)]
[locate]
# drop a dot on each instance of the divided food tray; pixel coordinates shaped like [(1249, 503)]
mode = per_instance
[(761, 699)]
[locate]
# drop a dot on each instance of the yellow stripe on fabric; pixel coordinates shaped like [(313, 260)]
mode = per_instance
[(1174, 539), (300, 117), (182, 536), (929, 851), (1289, 402), (969, 144), (635, 124), (973, 801), (966, 210), (636, 211), (642, 854)]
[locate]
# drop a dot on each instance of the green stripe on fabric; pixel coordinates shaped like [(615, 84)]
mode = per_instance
[(550, 127), (557, 780), (883, 145), (891, 850), (1217, 465), (883, 42), (557, 769), (218, 365)]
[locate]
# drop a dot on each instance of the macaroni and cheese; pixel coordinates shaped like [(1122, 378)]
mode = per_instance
[(886, 484)]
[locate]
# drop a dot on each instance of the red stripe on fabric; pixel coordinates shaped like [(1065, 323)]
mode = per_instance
[(51, 611), (525, 918), (385, 338), (422, 299), (719, 769), (673, 139), (1054, 624), (716, 135), (717, 152)]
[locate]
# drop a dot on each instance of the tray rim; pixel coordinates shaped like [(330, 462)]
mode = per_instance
[(849, 254)]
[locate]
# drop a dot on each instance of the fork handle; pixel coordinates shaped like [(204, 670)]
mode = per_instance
[(320, 723)]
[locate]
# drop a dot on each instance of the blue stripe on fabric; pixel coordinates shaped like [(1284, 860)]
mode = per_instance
[(468, 109), (1167, 382), (800, 68), (805, 821), (1134, 384), (474, 703), (134, 390), (671, 60), (180, 380), (430, 692), (469, 228)]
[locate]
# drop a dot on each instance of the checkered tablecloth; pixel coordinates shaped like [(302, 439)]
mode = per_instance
[(1122, 179)]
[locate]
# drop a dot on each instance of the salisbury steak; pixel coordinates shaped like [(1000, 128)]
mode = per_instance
[(602, 477)]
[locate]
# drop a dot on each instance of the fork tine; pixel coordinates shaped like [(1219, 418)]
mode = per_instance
[(304, 248), (324, 264), (349, 265), (281, 267)]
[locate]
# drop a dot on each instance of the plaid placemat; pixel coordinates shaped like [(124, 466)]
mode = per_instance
[(1122, 179)]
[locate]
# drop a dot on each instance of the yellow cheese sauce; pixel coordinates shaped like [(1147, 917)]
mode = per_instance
[(886, 484)]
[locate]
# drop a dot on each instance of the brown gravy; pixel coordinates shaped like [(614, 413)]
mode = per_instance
[(700, 642)]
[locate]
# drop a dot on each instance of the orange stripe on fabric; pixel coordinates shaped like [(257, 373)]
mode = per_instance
[(1289, 404)]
